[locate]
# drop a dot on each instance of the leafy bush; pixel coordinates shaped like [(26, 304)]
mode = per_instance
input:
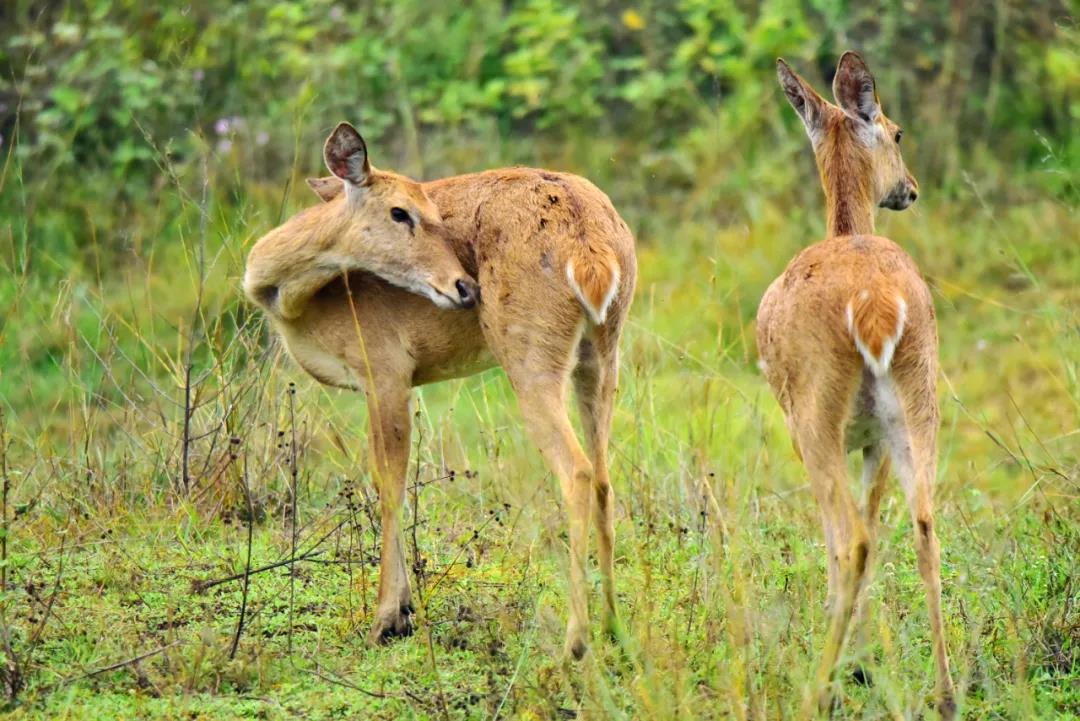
[(92, 78)]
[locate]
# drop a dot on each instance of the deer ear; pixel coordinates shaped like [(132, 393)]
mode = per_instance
[(346, 155), (854, 89), (326, 188), (807, 103)]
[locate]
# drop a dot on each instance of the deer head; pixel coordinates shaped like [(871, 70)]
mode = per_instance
[(382, 223), (856, 146)]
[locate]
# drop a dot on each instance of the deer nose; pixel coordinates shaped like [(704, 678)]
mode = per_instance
[(469, 292), (912, 195)]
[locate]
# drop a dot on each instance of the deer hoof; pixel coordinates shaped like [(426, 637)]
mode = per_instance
[(576, 644), (576, 649), (392, 624), (946, 707), (861, 676)]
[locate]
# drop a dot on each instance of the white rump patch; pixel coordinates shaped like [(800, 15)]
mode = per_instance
[(878, 366), (596, 315)]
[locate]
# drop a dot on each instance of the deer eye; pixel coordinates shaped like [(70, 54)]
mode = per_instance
[(400, 215), (899, 134)]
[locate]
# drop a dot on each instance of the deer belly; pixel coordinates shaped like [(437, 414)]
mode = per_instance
[(456, 365), (326, 367)]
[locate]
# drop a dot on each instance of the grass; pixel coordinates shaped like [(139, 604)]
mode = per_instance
[(107, 548)]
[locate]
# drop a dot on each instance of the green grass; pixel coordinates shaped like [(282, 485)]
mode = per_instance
[(108, 549)]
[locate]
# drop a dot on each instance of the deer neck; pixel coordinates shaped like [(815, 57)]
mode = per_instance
[(460, 199), (845, 176)]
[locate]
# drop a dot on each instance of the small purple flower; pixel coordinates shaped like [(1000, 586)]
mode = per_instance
[(221, 127), (336, 13), (224, 145), (262, 138), (237, 122), (198, 74)]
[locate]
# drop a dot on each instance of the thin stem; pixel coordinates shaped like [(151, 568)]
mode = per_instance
[(247, 561), (294, 476), (3, 501), (418, 568)]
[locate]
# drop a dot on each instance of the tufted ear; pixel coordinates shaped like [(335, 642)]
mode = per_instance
[(810, 106), (854, 89), (346, 155), (326, 188)]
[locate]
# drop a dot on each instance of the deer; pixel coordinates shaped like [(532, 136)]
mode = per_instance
[(847, 340), (378, 289)]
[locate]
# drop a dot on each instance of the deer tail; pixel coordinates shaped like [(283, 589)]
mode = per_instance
[(875, 319), (593, 274)]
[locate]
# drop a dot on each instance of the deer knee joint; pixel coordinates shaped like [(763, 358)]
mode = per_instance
[(603, 494), (860, 552), (603, 489), (583, 477)]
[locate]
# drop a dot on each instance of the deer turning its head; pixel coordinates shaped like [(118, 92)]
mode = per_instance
[(383, 223), (361, 290)]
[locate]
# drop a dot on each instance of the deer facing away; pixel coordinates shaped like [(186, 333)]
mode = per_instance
[(848, 344), (359, 289)]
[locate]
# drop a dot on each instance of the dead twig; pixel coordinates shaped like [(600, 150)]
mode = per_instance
[(247, 560), (111, 667), (6, 481), (342, 682), (204, 586), (339, 681), (294, 477)]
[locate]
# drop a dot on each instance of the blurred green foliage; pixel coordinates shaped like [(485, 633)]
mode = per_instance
[(93, 81)]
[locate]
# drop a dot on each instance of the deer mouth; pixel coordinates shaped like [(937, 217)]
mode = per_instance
[(447, 301), (465, 294), (900, 198)]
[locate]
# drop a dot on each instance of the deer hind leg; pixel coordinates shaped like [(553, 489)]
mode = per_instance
[(823, 453), (543, 405), (828, 523), (914, 451), (595, 379), (875, 472), (388, 411), (536, 344)]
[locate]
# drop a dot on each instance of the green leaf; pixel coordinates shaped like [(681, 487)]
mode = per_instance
[(67, 99)]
